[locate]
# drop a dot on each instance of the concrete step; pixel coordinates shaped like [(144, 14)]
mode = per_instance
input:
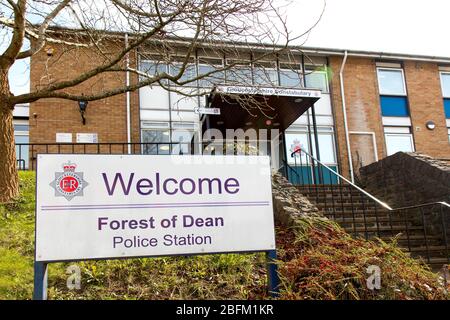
[(335, 194), (359, 212), (385, 228), (338, 198), (328, 188), (430, 248), (415, 240)]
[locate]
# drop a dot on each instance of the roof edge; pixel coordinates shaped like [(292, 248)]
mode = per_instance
[(323, 51)]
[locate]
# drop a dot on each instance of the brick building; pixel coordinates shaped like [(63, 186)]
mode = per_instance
[(371, 105)]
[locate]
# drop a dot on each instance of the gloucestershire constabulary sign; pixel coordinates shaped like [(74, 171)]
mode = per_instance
[(111, 206), (269, 91)]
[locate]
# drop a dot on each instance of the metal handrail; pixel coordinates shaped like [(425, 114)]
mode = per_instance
[(423, 205), (426, 222), (385, 205)]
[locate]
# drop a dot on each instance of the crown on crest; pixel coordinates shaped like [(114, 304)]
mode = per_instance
[(69, 167)]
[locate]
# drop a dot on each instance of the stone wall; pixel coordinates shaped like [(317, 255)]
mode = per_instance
[(288, 203), (405, 179)]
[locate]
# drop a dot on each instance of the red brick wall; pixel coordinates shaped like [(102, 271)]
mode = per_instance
[(426, 103), (106, 117), (363, 110)]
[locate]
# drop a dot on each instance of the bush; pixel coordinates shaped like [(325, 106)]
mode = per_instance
[(321, 261)]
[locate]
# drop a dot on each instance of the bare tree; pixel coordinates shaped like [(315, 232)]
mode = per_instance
[(97, 28)]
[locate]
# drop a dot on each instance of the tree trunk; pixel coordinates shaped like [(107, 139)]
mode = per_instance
[(9, 180)]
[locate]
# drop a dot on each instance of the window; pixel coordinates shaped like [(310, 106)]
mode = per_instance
[(393, 100), (326, 147), (154, 141), (398, 139), (189, 73), (22, 155), (239, 73), (156, 137), (316, 78), (300, 170), (447, 107), (152, 66), (394, 106), (206, 65), (21, 127), (295, 141), (299, 139), (391, 82), (21, 138), (290, 75), (445, 83), (182, 135), (265, 73)]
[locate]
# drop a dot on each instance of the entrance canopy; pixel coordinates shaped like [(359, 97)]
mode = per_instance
[(244, 107)]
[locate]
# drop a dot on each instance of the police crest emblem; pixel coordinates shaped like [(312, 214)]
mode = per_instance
[(69, 184)]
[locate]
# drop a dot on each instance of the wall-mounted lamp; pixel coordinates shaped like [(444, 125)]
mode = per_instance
[(83, 105), (430, 125)]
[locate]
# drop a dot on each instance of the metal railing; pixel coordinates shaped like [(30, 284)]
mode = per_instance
[(423, 229), (26, 153)]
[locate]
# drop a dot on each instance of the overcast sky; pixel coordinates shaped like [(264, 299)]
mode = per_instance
[(395, 26)]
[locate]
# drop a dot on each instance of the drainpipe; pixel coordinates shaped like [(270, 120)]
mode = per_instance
[(344, 112), (128, 97)]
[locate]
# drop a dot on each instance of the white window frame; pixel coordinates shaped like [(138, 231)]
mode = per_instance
[(404, 94), (164, 126), (176, 61), (442, 83), (246, 63), (273, 69), (397, 129), (199, 64), (398, 132), (140, 60), (322, 130), (325, 72)]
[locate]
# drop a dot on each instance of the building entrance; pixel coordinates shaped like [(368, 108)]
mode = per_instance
[(253, 120)]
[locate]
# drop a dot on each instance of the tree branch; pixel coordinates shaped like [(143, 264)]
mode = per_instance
[(31, 34), (41, 39), (95, 71), (9, 56)]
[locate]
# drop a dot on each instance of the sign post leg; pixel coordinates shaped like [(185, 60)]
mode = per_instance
[(273, 279), (40, 281)]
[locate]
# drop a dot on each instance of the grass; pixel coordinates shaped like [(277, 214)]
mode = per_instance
[(318, 260)]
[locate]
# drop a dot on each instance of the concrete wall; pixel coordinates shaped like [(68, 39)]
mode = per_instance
[(288, 203), (405, 179)]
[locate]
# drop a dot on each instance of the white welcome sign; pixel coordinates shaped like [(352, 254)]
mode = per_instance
[(112, 206)]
